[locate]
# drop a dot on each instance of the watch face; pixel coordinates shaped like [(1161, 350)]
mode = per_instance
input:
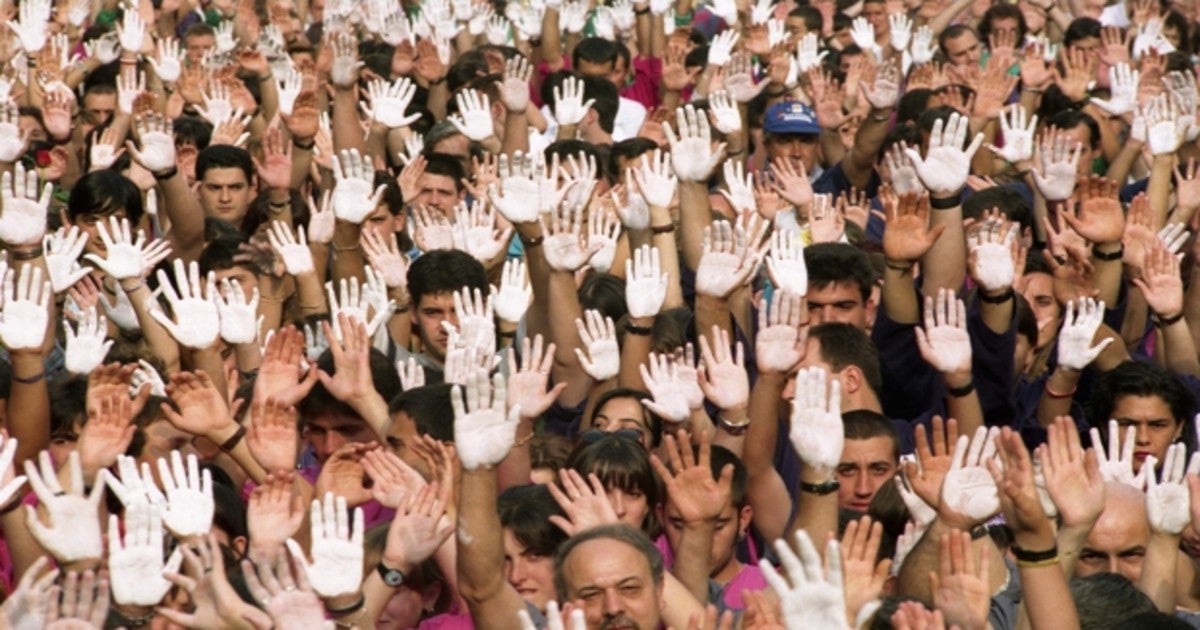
[(393, 578)]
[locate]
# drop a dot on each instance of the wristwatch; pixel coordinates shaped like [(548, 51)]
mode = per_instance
[(391, 577)]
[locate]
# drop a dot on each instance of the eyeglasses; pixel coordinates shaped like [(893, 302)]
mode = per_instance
[(592, 436)]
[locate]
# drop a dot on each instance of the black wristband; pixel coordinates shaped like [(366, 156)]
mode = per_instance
[(30, 254), (997, 299), (307, 146), (644, 331), (1163, 322), (641, 11), (948, 203), (961, 392), (1025, 555), (1110, 256), (168, 174), (353, 608), (232, 442), (820, 489)]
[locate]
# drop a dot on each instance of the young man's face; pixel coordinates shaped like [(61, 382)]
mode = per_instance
[(428, 314), (402, 432), (964, 50), (226, 193), (329, 432), (196, 45), (614, 71), (532, 575), (437, 192), (729, 527), (245, 278), (90, 225), (98, 108), (876, 14), (1154, 424), (864, 467), (838, 302), (1038, 291), (797, 148), (614, 583)]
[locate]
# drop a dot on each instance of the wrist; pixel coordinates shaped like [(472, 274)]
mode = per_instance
[(957, 380)]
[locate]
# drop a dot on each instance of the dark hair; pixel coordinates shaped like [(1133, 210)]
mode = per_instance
[(192, 130), (1081, 28), (198, 28), (813, 20), (912, 104), (547, 450), (1104, 600), (224, 156), (1027, 326), (719, 458), (429, 408), (1002, 12), (445, 271), (1174, 19), (603, 292), (954, 31), (1137, 378), (566, 149), (930, 117), (627, 150), (862, 424), (446, 166), (620, 533), (843, 345), (904, 132), (653, 422), (625, 465), (1071, 118), (1152, 621), (526, 512), (830, 263), (102, 193), (1006, 198), (218, 255), (605, 100), (597, 50), (320, 401)]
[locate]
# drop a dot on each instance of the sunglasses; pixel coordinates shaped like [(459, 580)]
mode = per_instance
[(592, 436)]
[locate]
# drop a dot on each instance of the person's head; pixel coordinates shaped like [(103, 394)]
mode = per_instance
[(840, 280), (1003, 20), (220, 256), (388, 220), (1104, 599), (960, 46), (226, 177), (623, 466), (192, 131), (603, 59), (530, 541), (601, 117), (197, 40), (1117, 542), (1025, 351), (547, 455), (875, 12), (1147, 397), (790, 131), (847, 355), (731, 525), (432, 280), (870, 457), (99, 104), (1175, 30), (444, 138), (1079, 128), (617, 574), (416, 412), (603, 292), (803, 20), (627, 154), (329, 423), (99, 196), (621, 409), (440, 187), (1037, 287), (1083, 34)]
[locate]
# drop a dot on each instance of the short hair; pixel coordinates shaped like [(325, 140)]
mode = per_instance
[(605, 100), (813, 20), (954, 31), (440, 131), (912, 104), (199, 29), (831, 263), (566, 149), (1140, 378), (447, 166), (1104, 600), (547, 450), (468, 66), (862, 424), (623, 464), (620, 533), (1072, 118), (930, 117), (1081, 28), (320, 401), (843, 345), (429, 408), (103, 193), (224, 156), (719, 458), (1006, 198), (653, 422), (1002, 11), (193, 130), (1152, 620), (219, 255), (603, 292), (526, 512), (627, 150), (597, 50), (445, 271)]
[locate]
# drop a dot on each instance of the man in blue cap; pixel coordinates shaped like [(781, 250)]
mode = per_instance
[(791, 131)]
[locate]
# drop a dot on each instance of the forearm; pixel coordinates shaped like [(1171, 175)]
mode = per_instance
[(816, 514), (944, 265), (1122, 165), (347, 132), (480, 548), (1056, 398), (1045, 594), (248, 355), (900, 301), (348, 260), (514, 469), (1107, 275), (998, 317), (966, 408), (209, 361), (516, 133), (186, 216), (1159, 570), (565, 335), (635, 350), (28, 406), (692, 558), (1179, 349), (695, 214), (712, 311), (1159, 188), (310, 294), (161, 343), (913, 577), (859, 164), (663, 240)]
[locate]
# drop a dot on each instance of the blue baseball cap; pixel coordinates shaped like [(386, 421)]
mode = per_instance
[(791, 117)]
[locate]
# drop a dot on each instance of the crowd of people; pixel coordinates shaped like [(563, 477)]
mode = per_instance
[(558, 314)]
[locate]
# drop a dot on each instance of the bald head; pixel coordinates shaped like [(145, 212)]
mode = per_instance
[(1117, 544)]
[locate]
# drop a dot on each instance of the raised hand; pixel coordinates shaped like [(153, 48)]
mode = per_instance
[(694, 155), (863, 578), (1167, 499), (273, 514), (475, 231), (136, 564), (432, 230), (600, 356), (945, 167), (817, 430), (668, 390), (83, 604), (125, 258), (25, 312), (1123, 83), (960, 585), (565, 247), (569, 107), (908, 236), (337, 548), (527, 380), (1161, 284), (944, 342), (240, 321), (691, 488), (272, 434), (481, 418), (1099, 217), (474, 117), (30, 27), (73, 531), (158, 144), (23, 220), (85, 345), (27, 605), (723, 377), (354, 305), (418, 529), (786, 265), (645, 282), (992, 253), (968, 494), (656, 183), (730, 256), (1071, 475), (779, 345), (1017, 129), (62, 257), (9, 485), (515, 294), (1117, 465), (603, 231), (290, 602), (389, 102), (353, 198), (187, 506), (197, 321), (585, 503), (1080, 322), (812, 595)]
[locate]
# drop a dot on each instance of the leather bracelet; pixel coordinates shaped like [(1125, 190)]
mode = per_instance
[(821, 489), (997, 299), (896, 267), (948, 203), (662, 229), (1161, 322), (1053, 394), (353, 608), (961, 392), (1108, 256), (1025, 555), (510, 334), (168, 174), (644, 11), (232, 442), (1039, 564), (30, 380), (644, 331), (307, 146), (31, 254), (532, 242)]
